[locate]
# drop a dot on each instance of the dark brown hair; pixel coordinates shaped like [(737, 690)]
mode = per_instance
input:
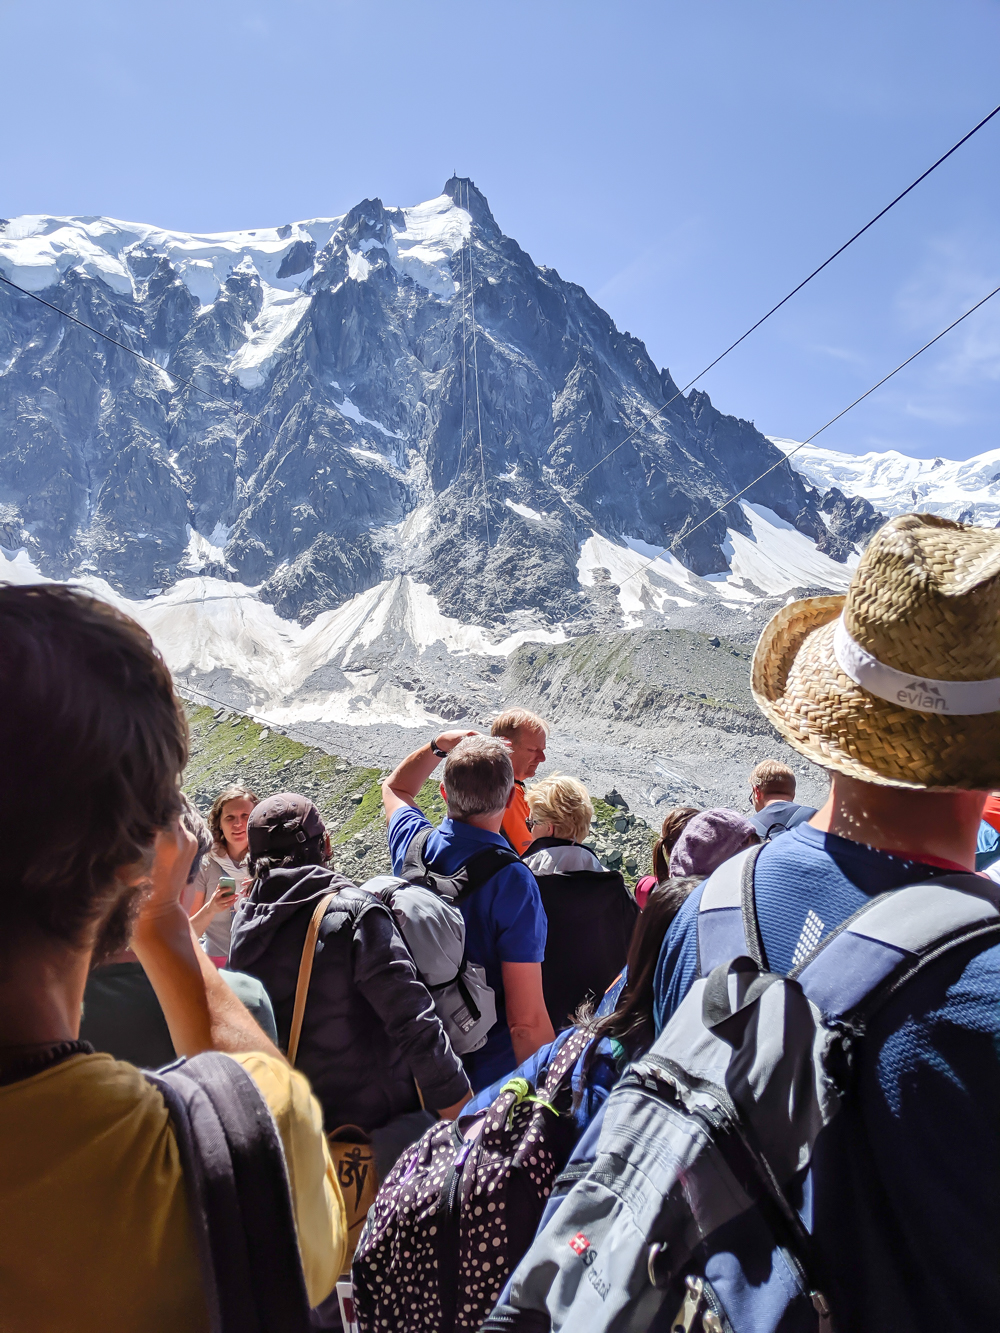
[(631, 1020), (234, 792), (674, 823), (93, 741)]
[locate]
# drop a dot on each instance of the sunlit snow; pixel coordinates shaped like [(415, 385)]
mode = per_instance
[(204, 626), (896, 484)]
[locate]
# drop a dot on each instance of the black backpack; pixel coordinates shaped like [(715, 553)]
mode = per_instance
[(459, 1209), (237, 1188)]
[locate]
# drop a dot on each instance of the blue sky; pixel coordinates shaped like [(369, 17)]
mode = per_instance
[(687, 163)]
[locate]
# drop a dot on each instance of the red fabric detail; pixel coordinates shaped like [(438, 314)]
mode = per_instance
[(643, 888), (991, 811)]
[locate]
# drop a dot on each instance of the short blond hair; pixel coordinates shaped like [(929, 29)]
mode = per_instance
[(773, 778), (512, 720), (562, 802)]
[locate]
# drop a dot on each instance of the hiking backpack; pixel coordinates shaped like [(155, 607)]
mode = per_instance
[(685, 1219), (237, 1187), (461, 1207), (425, 905)]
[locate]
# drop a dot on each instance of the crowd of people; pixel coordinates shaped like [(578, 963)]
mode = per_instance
[(495, 957)]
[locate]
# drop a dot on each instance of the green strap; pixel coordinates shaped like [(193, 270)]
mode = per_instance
[(521, 1089)]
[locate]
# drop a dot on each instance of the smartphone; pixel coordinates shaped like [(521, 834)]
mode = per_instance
[(227, 883)]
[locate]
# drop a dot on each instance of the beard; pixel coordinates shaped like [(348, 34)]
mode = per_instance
[(115, 930)]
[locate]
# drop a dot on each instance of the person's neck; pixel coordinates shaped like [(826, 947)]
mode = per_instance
[(491, 823), (939, 824), (41, 993), (782, 798), (235, 857)]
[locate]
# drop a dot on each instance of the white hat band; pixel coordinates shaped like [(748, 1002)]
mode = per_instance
[(956, 698)]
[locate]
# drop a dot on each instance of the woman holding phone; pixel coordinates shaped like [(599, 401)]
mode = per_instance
[(221, 877)]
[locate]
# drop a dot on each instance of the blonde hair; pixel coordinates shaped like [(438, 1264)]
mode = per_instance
[(511, 720), (771, 777), (562, 802)]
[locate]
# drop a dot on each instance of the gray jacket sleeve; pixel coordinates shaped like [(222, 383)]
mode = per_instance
[(385, 975)]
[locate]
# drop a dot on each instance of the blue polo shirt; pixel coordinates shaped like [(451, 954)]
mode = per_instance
[(504, 920), (906, 1179)]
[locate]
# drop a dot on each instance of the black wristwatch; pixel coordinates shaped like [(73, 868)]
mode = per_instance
[(441, 754)]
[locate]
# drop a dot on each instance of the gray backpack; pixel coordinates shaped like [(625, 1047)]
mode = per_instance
[(707, 1141), (425, 905)]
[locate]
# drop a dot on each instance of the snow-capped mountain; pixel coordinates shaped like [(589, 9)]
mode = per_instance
[(387, 425), (895, 484)]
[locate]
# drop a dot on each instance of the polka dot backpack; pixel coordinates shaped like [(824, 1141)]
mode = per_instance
[(460, 1207)]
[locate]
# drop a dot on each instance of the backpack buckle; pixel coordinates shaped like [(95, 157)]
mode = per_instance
[(684, 1320)]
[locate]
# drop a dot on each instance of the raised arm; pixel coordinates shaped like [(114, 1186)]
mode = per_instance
[(403, 784), (202, 1013)]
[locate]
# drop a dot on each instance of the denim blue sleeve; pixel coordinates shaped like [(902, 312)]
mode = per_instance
[(988, 839), (677, 968), (518, 917), (405, 822)]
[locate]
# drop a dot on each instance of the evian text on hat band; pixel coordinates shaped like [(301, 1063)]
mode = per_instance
[(956, 698)]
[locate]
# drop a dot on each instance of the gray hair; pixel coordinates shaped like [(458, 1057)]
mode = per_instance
[(478, 777)]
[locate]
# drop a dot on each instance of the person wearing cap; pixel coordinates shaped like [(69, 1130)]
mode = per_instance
[(895, 690), (371, 1044)]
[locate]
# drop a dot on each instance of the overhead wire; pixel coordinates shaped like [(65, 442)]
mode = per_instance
[(775, 308), (140, 356), (687, 533), (479, 415)]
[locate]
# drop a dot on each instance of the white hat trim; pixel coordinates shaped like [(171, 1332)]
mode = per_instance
[(955, 698)]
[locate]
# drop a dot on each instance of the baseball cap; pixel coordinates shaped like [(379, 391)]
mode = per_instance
[(282, 823)]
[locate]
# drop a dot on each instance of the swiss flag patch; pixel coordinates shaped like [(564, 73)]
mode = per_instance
[(579, 1244)]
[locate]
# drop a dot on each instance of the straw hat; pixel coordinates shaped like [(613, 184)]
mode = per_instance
[(898, 682)]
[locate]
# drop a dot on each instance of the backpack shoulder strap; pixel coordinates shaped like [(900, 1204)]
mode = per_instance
[(483, 866), (895, 935), (237, 1184), (305, 973), (565, 1060), (414, 866), (727, 917)]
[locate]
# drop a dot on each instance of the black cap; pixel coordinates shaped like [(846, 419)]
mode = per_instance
[(281, 824)]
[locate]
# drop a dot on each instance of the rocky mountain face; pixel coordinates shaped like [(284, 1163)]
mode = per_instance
[(331, 405)]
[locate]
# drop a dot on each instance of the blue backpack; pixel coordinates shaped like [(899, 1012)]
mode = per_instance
[(686, 1219)]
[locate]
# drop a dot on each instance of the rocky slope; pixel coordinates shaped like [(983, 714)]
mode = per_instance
[(227, 746)]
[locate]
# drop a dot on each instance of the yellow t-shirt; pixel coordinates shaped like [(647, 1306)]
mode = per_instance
[(94, 1229)]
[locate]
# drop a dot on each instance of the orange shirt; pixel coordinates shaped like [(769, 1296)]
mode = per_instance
[(515, 825), (991, 811)]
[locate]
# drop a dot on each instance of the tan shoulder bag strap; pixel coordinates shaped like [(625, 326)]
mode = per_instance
[(305, 972)]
